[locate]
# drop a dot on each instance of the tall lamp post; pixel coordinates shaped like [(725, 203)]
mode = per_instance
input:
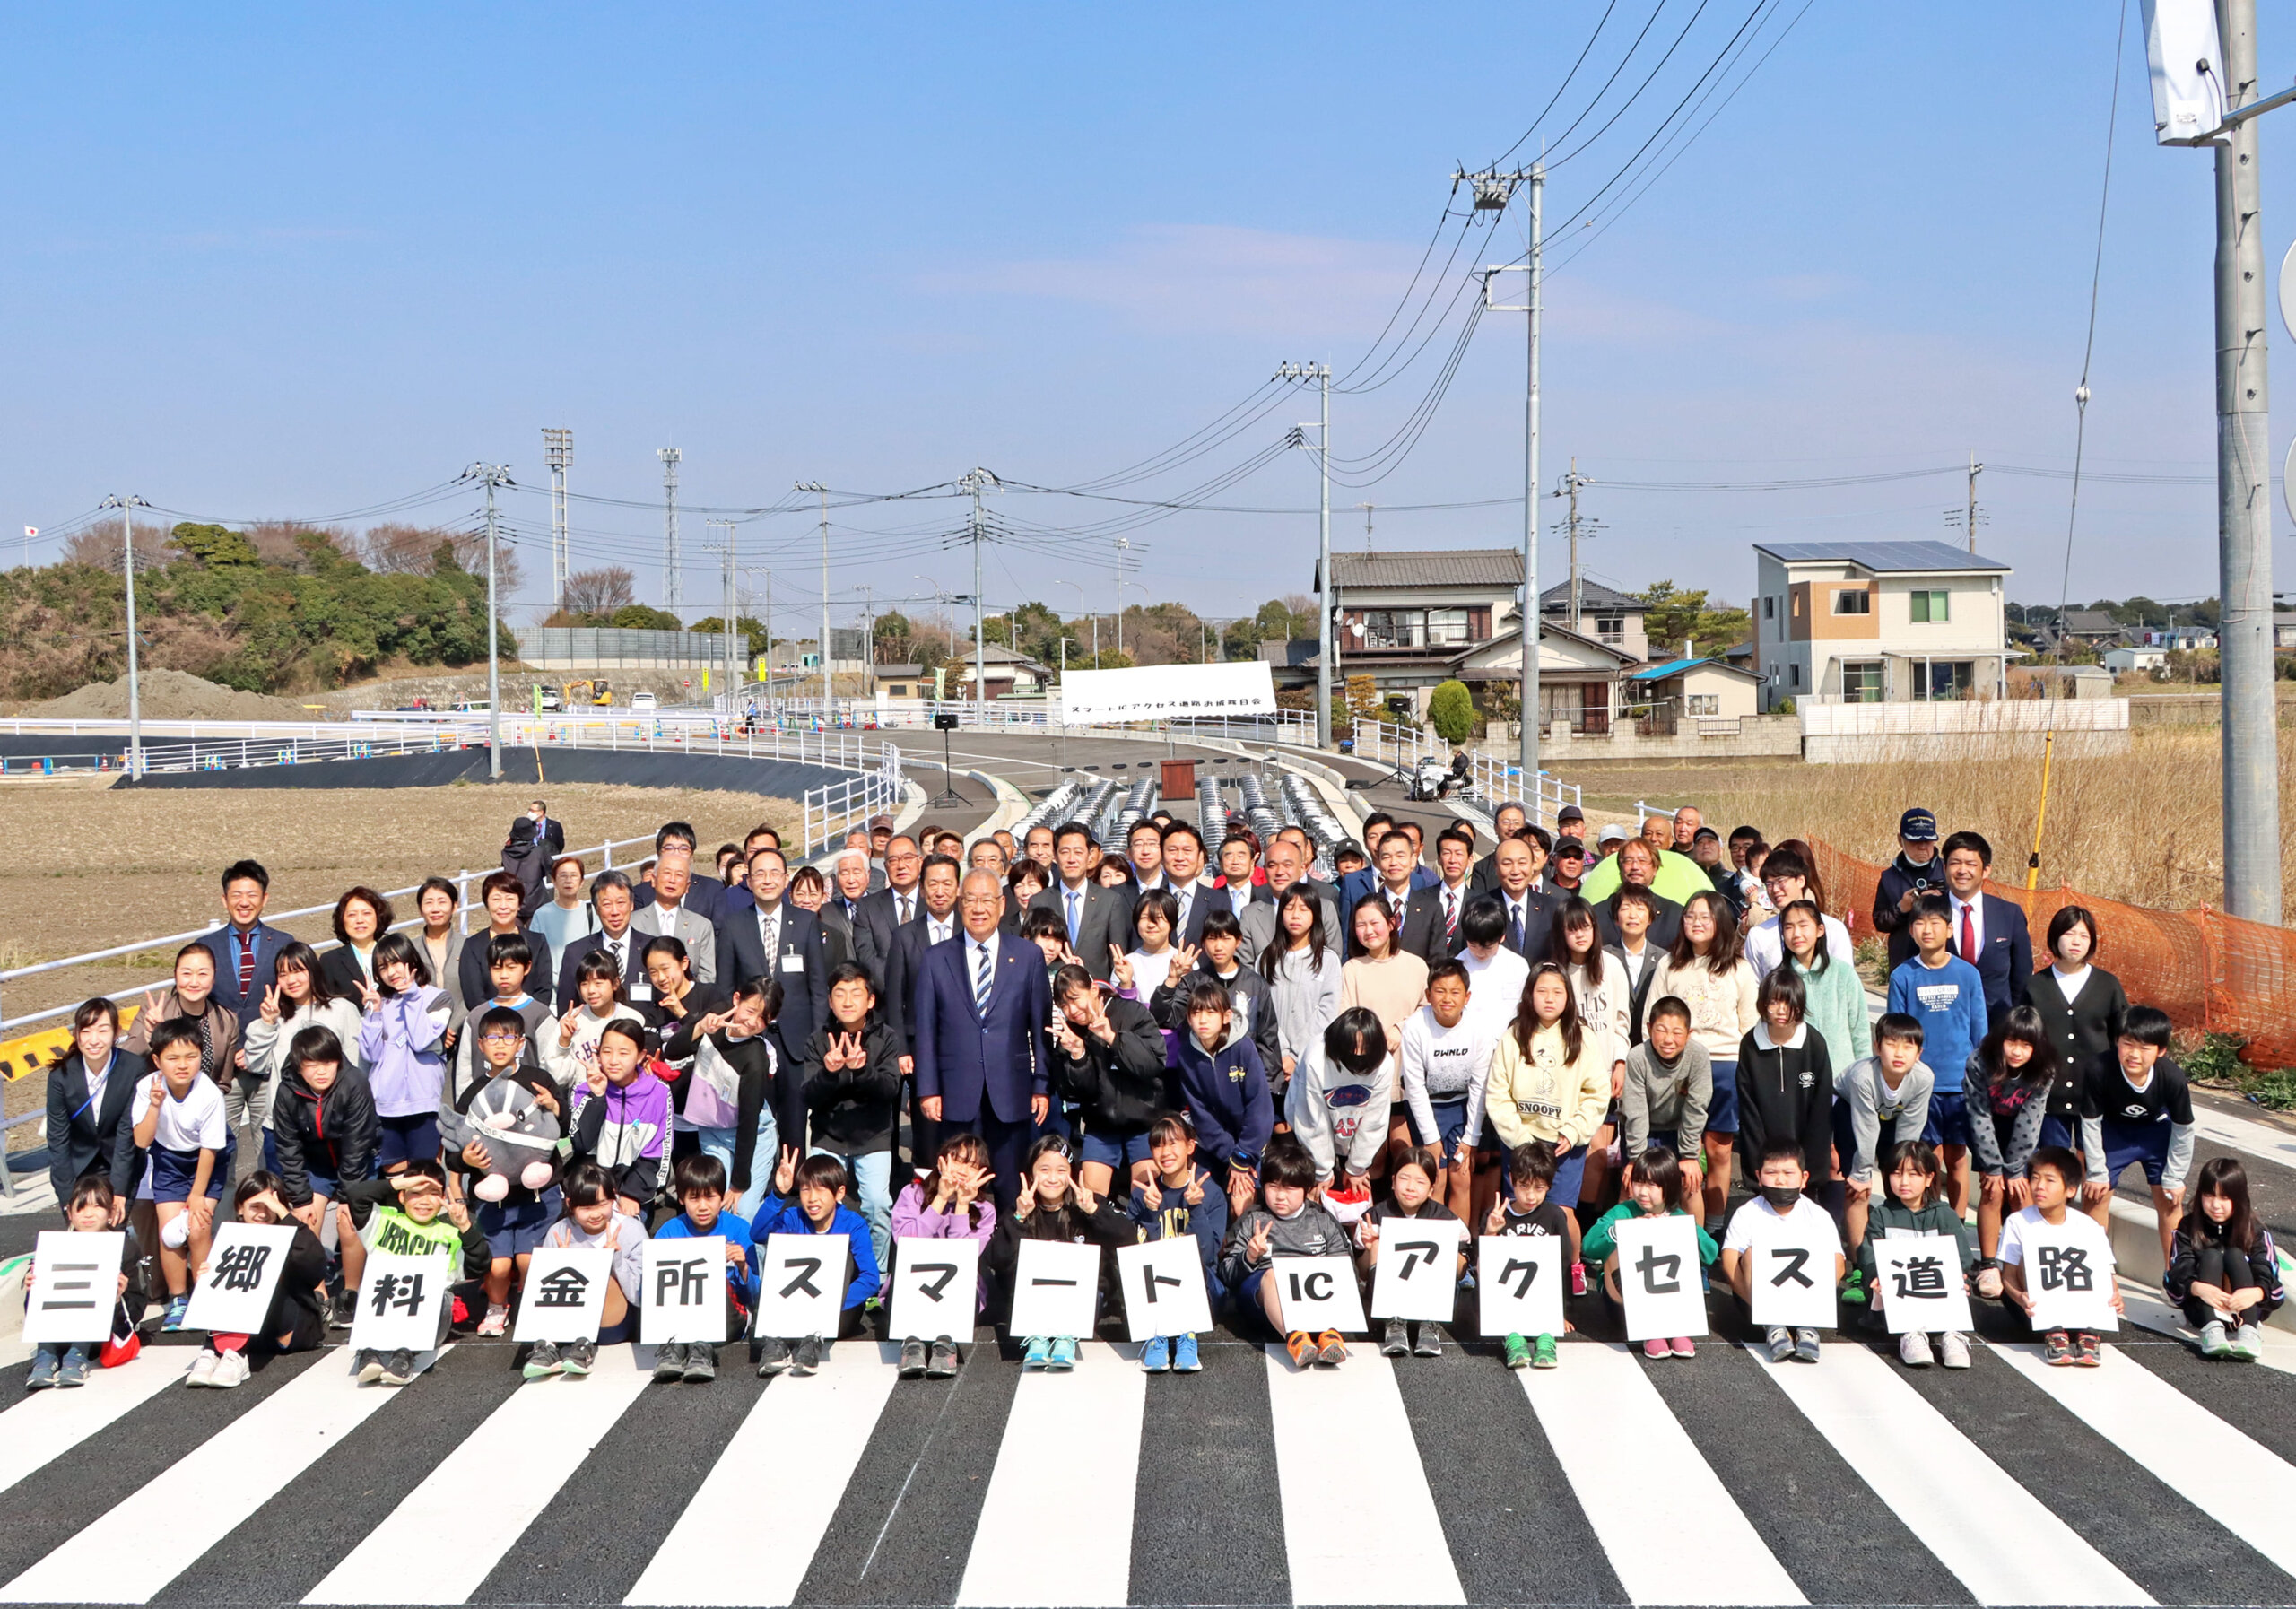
[(126, 504)]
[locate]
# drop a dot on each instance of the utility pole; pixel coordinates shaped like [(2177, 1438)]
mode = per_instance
[(672, 590), (1493, 190), (1121, 544), (869, 640), (1367, 528), (493, 475), (725, 642), (1326, 638), (827, 694), (558, 452), (1572, 484), (1974, 468), (126, 505), (976, 482)]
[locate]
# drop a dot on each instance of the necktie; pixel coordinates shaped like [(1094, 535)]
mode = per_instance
[(770, 930), (980, 979), (1179, 929), (1515, 928), (613, 948), (247, 964), (1969, 938), (1075, 901), (1450, 913), (907, 909)]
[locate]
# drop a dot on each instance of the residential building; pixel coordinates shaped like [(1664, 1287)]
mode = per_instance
[(2092, 628), (2283, 629), (904, 681), (1610, 618), (2147, 658), (1403, 617), (1008, 674), (1688, 689), (1580, 677), (1878, 622)]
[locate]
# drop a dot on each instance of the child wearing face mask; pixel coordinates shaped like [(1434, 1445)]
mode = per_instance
[(1655, 1187), (1915, 1205), (1781, 1179)]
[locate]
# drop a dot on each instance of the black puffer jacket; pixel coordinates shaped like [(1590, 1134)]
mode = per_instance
[(331, 1133)]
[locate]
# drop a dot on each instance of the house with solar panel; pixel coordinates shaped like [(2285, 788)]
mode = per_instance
[(1878, 622)]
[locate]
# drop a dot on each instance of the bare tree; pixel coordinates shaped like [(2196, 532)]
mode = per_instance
[(393, 549), (600, 591), (98, 545), (276, 540)]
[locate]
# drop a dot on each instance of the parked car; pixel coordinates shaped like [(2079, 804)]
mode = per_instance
[(551, 703), (644, 703)]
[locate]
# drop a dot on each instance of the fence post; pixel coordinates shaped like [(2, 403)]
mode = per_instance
[(462, 903)]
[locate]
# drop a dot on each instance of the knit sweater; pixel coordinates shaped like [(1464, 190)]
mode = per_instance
[(1721, 1005)]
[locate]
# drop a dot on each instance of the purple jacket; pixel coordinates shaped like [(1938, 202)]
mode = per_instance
[(914, 1220), (399, 1041)]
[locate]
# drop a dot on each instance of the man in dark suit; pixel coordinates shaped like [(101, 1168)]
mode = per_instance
[(1507, 821), (982, 1004), (1431, 922), (936, 924), (880, 915), (610, 897), (245, 948), (1990, 934), (548, 833), (1182, 848), (1287, 862), (704, 896), (84, 1129), (778, 940), (1530, 909), (1097, 917)]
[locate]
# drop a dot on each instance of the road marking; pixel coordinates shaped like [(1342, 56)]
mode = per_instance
[(44, 1427)]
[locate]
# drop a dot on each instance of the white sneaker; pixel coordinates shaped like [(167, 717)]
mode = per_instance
[(497, 1321), (231, 1370), (203, 1369), (1953, 1350), (1913, 1350), (2248, 1344)]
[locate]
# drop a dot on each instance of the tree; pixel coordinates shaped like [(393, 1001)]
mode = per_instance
[(1450, 710), (214, 546), (393, 549), (600, 592), (1672, 614), (645, 617), (98, 546)]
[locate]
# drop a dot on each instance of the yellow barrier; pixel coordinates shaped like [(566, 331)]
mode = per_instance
[(37, 1052)]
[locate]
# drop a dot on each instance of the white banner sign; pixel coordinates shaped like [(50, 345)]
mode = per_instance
[(1418, 1271), (1918, 1283), (1156, 693), (804, 1293), (1658, 1277), (2186, 56), (2069, 1274), (1318, 1293), (684, 1291), (1792, 1261), (565, 1298), (1518, 1280), (936, 1288), (1055, 1289), (401, 1298), (73, 1287), (1163, 1288), (244, 1264)]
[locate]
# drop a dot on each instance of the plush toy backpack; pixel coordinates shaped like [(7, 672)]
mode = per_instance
[(519, 1133)]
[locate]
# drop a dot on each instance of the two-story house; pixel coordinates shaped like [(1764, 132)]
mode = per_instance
[(1878, 622)]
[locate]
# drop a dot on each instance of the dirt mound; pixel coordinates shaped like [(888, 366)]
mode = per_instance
[(169, 695)]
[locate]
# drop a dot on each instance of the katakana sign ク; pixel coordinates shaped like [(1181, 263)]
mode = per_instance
[(1518, 1283), (232, 1294), (565, 1298)]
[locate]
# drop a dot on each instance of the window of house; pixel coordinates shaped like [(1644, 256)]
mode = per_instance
[(1853, 600), (1795, 672), (1769, 608), (1930, 608), (1447, 625), (1705, 703), (1861, 681), (1611, 629), (1942, 681)]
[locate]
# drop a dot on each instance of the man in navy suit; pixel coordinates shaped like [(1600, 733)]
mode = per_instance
[(1097, 917), (1988, 933), (1182, 850), (983, 1003), (880, 915), (778, 940), (245, 948), (936, 924)]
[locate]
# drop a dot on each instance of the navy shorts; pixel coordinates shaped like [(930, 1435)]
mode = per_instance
[(1451, 1126), (324, 1184), (1722, 1111), (1949, 1119), (1248, 1293), (515, 1227), (174, 1171), (2145, 1144), (1570, 1176), (1114, 1148), (410, 1139), (2060, 1131)]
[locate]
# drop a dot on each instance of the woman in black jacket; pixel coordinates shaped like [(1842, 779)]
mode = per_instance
[(1109, 1057), (2082, 1007), (83, 1124)]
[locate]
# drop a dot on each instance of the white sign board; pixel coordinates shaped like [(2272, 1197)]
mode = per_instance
[(2069, 1274), (1519, 1281), (2186, 57), (244, 1263), (1318, 1293), (1791, 1263), (1055, 1289), (1658, 1278), (1156, 693), (1418, 1271), (74, 1288), (936, 1288), (1163, 1288), (565, 1298), (684, 1291), (804, 1289), (1919, 1285), (402, 1299)]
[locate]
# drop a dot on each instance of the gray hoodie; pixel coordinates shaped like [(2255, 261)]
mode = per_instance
[(1306, 1002), (1657, 1096), (1870, 1102), (1337, 1115)]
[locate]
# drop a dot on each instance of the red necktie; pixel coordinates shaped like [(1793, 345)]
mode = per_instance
[(1969, 938), (247, 964)]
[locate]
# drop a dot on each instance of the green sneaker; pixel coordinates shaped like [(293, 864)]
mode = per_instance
[(1543, 1355), (1853, 1289), (1518, 1352)]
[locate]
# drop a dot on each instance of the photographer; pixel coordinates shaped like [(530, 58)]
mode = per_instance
[(1917, 871)]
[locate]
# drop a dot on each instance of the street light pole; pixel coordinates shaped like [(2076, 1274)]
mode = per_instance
[(493, 475), (818, 487), (126, 504), (1321, 374)]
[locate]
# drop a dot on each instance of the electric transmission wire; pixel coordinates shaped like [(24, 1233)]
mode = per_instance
[(1601, 22), (2088, 345)]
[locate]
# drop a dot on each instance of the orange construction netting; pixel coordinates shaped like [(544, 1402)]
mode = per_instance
[(2211, 972)]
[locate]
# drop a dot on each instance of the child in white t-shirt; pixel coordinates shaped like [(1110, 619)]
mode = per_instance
[(1441, 1062), (177, 1119), (2054, 1175), (1781, 1179)]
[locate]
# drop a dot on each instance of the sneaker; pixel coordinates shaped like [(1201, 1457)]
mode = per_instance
[(43, 1374), (1331, 1351), (1953, 1350), (1989, 1281), (2247, 1344), (2056, 1349), (1542, 1354), (541, 1361), (1396, 1342), (1185, 1359), (230, 1370), (1430, 1340), (2213, 1341), (1518, 1353), (1577, 1279), (201, 1371), (577, 1357), (1302, 1348), (669, 1363), (2088, 1351), (370, 1365), (1033, 1356), (1853, 1289), (176, 1306), (1806, 1346), (701, 1363), (1913, 1350), (1781, 1342), (342, 1309), (400, 1369), (496, 1323), (1156, 1356), (772, 1357), (74, 1369), (912, 1358), (1063, 1356), (1657, 1351), (1683, 1346), (944, 1363), (806, 1357)]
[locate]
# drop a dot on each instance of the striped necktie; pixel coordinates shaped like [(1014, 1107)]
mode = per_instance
[(980, 979)]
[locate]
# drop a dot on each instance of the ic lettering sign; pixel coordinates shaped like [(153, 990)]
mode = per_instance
[(74, 1288), (683, 1290), (1318, 1293), (936, 1288), (1164, 1293), (802, 1292)]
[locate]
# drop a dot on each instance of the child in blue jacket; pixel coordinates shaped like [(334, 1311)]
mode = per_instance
[(706, 1208), (819, 1184), (1225, 1086), (1180, 1199), (1943, 993)]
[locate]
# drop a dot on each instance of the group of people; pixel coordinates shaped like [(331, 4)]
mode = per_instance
[(1261, 1048)]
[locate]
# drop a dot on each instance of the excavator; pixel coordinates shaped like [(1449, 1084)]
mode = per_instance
[(592, 692)]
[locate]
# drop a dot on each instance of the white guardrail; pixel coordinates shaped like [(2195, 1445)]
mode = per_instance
[(1493, 782)]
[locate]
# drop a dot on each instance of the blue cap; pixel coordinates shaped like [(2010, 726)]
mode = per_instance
[(1918, 826)]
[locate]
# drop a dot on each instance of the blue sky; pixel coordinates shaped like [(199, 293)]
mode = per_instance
[(292, 261)]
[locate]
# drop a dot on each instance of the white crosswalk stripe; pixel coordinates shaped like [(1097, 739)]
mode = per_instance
[(43, 1427)]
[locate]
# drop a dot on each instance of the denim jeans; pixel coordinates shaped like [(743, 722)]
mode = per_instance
[(763, 1159), (872, 1172)]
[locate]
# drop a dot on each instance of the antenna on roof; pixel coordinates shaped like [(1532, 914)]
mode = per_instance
[(1367, 528)]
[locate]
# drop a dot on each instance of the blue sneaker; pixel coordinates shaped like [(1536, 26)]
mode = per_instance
[(1183, 1358), (1156, 1356), (43, 1374), (1064, 1354), (1038, 1350), (176, 1307)]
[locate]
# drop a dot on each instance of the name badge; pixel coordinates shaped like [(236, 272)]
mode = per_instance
[(639, 991), (793, 962)]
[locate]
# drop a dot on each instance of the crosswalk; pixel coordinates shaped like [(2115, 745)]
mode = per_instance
[(1723, 1479)]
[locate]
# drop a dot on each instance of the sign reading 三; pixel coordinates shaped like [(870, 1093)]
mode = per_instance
[(1418, 1273), (684, 1292), (1318, 1293), (1055, 1289), (1919, 1285), (73, 1286), (1156, 693), (2069, 1274), (233, 1293), (936, 1288), (402, 1302), (802, 1292), (1658, 1278), (1519, 1281), (565, 1298), (1163, 1288), (1792, 1261)]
